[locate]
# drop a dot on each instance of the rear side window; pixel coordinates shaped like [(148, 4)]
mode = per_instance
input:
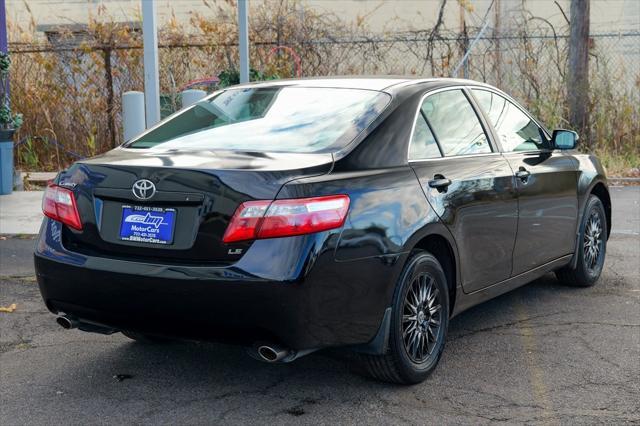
[(516, 130), (278, 119), (455, 124), (423, 145)]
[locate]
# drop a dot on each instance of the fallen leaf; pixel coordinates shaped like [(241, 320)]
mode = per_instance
[(9, 308), (23, 346)]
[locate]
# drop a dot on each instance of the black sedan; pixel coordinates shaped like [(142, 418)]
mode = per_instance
[(297, 215)]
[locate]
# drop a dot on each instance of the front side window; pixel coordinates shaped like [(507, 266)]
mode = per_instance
[(455, 124), (275, 118), (516, 130)]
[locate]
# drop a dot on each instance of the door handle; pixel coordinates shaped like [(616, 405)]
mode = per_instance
[(523, 174), (439, 182)]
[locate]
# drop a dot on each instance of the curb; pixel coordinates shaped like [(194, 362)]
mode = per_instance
[(624, 180)]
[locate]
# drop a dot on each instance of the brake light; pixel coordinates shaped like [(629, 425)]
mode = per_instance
[(60, 204), (285, 218), (246, 221)]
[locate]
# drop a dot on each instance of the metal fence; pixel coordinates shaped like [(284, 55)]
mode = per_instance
[(71, 94)]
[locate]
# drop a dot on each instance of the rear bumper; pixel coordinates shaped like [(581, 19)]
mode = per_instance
[(309, 301)]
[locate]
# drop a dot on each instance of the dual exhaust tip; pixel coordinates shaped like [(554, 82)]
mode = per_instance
[(263, 352)]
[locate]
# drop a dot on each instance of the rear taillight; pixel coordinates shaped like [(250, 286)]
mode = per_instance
[(60, 204), (283, 218)]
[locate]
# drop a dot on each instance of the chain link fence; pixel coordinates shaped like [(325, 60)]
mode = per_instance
[(71, 93)]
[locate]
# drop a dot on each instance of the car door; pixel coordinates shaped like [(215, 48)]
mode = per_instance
[(546, 181), (468, 183)]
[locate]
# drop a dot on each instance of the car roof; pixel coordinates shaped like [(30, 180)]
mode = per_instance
[(379, 83)]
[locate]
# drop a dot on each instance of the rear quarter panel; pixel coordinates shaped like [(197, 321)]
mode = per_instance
[(388, 215), (387, 207)]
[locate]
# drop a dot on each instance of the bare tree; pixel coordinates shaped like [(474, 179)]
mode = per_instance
[(578, 73)]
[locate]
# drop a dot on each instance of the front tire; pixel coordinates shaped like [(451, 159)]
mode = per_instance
[(420, 318), (591, 249)]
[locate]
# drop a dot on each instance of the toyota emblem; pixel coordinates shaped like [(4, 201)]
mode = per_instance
[(143, 189)]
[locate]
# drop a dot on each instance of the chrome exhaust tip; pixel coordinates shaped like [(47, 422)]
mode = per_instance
[(66, 322), (273, 353)]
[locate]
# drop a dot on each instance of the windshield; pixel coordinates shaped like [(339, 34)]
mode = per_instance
[(279, 119)]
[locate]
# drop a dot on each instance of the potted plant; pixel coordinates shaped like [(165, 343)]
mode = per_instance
[(9, 122)]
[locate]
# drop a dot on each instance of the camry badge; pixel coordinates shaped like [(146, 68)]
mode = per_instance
[(143, 189)]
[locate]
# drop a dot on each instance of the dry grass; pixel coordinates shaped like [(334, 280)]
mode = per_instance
[(70, 93)]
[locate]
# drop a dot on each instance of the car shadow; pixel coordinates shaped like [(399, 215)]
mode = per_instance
[(181, 364), (507, 307)]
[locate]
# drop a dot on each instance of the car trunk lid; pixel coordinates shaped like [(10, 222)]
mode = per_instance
[(196, 193)]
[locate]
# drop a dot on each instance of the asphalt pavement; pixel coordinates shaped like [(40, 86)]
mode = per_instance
[(544, 353)]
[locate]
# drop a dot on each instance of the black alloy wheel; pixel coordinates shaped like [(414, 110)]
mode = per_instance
[(420, 317)]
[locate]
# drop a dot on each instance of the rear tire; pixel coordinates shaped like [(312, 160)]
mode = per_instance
[(591, 249), (420, 318)]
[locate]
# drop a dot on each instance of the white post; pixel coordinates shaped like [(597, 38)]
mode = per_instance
[(191, 96), (243, 40), (133, 121), (151, 81)]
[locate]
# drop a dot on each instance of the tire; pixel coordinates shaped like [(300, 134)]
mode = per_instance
[(591, 249), (410, 359), (145, 338)]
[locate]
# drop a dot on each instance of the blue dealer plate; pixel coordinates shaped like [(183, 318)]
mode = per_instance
[(147, 224)]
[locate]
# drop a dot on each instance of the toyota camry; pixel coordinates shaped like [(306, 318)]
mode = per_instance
[(297, 215)]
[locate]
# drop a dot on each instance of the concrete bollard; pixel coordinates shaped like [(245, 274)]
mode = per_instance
[(191, 96), (133, 121)]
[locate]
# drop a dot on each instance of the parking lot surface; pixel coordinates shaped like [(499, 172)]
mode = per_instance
[(544, 353)]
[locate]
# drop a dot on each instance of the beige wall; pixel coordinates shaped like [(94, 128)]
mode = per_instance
[(389, 15), (606, 15)]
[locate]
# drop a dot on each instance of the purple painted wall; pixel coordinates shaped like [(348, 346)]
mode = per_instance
[(3, 26)]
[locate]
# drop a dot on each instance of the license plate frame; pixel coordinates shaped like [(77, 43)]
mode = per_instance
[(146, 224)]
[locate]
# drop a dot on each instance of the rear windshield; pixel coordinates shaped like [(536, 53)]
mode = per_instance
[(278, 119)]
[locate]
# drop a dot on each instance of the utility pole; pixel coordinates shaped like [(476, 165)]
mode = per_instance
[(243, 40), (465, 42), (496, 42), (578, 73), (150, 54)]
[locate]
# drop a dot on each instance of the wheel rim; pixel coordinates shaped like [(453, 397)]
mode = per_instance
[(421, 318), (593, 241)]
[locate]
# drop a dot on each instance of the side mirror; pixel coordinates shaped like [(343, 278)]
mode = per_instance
[(564, 139)]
